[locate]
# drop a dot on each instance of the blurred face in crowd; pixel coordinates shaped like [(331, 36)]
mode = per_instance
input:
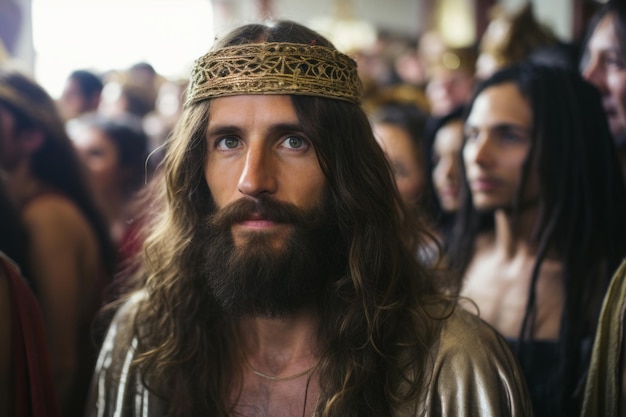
[(604, 65), (498, 139), (100, 155), (449, 89), (447, 164), (405, 160), (72, 102)]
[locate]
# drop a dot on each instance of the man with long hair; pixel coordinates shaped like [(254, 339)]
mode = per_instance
[(280, 278), (541, 227)]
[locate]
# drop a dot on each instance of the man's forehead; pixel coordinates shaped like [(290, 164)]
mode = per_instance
[(244, 109)]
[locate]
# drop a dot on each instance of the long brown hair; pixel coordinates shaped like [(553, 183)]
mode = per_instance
[(376, 318)]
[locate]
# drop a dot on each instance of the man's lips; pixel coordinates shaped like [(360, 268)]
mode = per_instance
[(258, 223)]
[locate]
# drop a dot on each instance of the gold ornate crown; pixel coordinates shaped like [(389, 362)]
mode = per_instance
[(274, 68)]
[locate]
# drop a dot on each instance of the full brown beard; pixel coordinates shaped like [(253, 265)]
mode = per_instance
[(259, 278)]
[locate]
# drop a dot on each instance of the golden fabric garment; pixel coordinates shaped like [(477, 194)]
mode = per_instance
[(475, 374), (602, 390)]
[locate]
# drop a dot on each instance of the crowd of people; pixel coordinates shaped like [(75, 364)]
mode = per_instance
[(301, 231)]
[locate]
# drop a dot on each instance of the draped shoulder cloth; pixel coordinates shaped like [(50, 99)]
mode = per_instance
[(603, 389), (474, 374)]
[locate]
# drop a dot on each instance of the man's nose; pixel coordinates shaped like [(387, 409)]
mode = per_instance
[(258, 174)]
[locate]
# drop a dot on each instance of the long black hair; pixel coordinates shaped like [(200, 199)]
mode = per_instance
[(582, 204)]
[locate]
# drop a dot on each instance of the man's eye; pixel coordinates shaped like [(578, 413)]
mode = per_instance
[(295, 142), (228, 143)]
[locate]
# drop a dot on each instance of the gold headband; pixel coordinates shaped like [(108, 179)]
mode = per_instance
[(274, 68)]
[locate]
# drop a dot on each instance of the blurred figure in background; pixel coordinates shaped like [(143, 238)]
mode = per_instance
[(604, 65), (70, 249), (510, 38), (539, 159), (446, 169), (451, 80), (114, 150), (399, 130), (131, 91), (81, 94), (26, 387), (124, 97)]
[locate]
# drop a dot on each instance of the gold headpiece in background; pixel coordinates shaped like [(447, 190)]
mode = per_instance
[(274, 68)]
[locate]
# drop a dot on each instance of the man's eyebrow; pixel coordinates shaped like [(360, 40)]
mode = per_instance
[(217, 130), (275, 129), (286, 127)]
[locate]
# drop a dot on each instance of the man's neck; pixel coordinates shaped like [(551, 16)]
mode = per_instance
[(280, 346), (278, 362)]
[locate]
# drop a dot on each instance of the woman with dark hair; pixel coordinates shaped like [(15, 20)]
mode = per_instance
[(399, 130), (538, 158), (71, 253), (114, 151), (446, 164)]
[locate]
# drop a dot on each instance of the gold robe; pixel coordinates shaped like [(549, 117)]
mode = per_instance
[(475, 373), (603, 389)]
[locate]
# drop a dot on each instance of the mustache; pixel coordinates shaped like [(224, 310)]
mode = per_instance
[(266, 208)]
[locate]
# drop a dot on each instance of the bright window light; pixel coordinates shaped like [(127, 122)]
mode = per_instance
[(104, 35)]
